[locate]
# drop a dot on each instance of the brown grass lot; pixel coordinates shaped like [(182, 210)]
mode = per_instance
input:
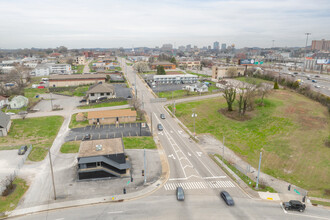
[(291, 129)]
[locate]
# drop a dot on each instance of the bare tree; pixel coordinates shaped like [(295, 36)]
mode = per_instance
[(230, 95), (231, 72), (263, 91), (141, 67), (246, 98), (136, 103)]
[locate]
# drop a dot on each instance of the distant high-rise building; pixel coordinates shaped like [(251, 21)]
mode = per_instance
[(188, 47), (223, 47), (321, 45), (195, 47), (167, 47), (182, 48), (209, 48), (216, 45)]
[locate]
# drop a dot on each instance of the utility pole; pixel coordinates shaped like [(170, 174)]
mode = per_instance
[(194, 116), (223, 148), (174, 107), (135, 83), (258, 170), (151, 124), (51, 169), (51, 101), (306, 50), (145, 167)]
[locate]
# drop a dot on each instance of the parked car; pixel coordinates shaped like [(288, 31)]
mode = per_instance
[(294, 205), (160, 127), (314, 81), (179, 193), (87, 137), (22, 150), (102, 98), (10, 113), (227, 198), (295, 73), (162, 116), (317, 76), (317, 86), (83, 100), (308, 78)]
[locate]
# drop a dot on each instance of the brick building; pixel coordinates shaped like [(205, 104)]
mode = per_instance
[(75, 80)]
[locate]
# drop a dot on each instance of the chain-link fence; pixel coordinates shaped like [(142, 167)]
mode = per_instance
[(10, 177)]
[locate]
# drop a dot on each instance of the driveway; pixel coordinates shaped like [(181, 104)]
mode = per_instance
[(68, 103), (108, 131)]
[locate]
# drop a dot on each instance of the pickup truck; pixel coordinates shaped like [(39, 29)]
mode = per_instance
[(294, 205)]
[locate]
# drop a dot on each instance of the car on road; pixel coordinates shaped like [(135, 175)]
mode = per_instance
[(314, 81), (160, 127), (22, 150), (83, 100), (162, 116), (87, 137), (294, 205), (10, 113), (179, 193), (317, 86), (308, 78), (295, 73), (317, 76), (227, 198)]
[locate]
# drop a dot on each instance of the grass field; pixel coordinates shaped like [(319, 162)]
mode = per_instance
[(253, 81), (197, 74), (40, 132), (70, 147), (8, 203), (320, 203), (104, 104), (79, 68), (139, 143), (290, 129), (72, 91), (78, 124)]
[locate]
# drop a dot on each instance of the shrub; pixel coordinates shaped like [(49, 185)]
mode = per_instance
[(276, 85)]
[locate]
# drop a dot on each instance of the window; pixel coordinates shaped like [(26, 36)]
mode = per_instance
[(92, 94), (108, 93), (102, 93)]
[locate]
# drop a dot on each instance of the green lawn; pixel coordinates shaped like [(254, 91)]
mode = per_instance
[(139, 143), (79, 68), (70, 147), (320, 203), (74, 91), (8, 203), (40, 132), (104, 104), (197, 74), (91, 66), (184, 94), (129, 64), (253, 80), (78, 124), (290, 129), (150, 72)]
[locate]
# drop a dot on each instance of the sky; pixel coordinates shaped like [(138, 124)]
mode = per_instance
[(150, 23)]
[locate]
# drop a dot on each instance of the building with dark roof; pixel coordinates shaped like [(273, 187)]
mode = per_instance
[(99, 159), (99, 90), (75, 80), (5, 124)]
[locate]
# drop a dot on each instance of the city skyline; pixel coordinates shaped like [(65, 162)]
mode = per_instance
[(110, 24)]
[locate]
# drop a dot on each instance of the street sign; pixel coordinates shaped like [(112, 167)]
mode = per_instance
[(261, 62), (128, 182), (194, 115), (256, 63), (143, 125)]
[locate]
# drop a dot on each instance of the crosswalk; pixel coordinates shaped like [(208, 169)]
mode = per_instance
[(199, 185)]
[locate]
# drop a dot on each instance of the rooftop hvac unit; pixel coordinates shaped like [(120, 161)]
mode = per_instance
[(98, 147)]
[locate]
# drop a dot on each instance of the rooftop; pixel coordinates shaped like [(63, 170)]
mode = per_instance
[(77, 76), (111, 113), (103, 87), (163, 63), (109, 146)]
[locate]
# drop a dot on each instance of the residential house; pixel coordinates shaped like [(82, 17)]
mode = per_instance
[(3, 101), (18, 102), (75, 80), (111, 116), (100, 159), (4, 124), (198, 87), (100, 90)]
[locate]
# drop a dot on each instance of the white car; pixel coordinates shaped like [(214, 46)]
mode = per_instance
[(317, 86), (10, 113)]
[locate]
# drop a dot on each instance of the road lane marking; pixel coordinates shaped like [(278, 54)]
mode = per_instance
[(189, 154), (199, 153), (199, 185), (172, 156), (115, 212)]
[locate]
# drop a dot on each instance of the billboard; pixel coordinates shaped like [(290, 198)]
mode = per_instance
[(323, 61), (246, 61)]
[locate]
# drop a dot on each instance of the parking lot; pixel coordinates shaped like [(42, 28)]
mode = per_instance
[(168, 87), (109, 131)]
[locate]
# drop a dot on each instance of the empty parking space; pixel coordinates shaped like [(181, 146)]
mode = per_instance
[(108, 131)]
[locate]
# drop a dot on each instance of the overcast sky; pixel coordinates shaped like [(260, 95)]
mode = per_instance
[(109, 23)]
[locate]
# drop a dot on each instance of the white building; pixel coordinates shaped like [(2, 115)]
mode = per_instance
[(198, 87), (80, 60), (175, 79), (47, 69), (31, 65), (6, 69), (41, 70), (61, 69)]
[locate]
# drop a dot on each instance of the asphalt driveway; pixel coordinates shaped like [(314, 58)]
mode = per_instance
[(108, 131)]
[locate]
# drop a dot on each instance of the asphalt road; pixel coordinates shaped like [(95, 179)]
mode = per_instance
[(167, 207)]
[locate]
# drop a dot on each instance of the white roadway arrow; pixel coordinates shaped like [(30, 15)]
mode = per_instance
[(171, 156), (189, 154), (199, 153)]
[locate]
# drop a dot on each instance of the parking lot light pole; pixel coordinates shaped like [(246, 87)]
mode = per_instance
[(258, 171), (145, 167), (51, 169)]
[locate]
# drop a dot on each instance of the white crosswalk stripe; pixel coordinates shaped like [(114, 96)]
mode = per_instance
[(199, 185)]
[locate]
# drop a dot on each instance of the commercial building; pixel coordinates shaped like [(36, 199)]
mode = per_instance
[(111, 116), (323, 45), (61, 69), (100, 90), (216, 45), (222, 72), (100, 159), (81, 60), (190, 64), (175, 79), (167, 47), (76, 80), (166, 65), (223, 47)]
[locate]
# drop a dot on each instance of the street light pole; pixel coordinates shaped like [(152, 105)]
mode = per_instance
[(258, 170), (51, 101), (51, 169), (306, 50), (145, 167)]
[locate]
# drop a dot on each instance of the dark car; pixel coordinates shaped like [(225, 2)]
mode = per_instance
[(294, 205), (179, 193), (227, 198), (162, 116), (103, 98), (317, 76), (295, 73), (87, 137), (22, 150), (308, 78), (83, 100), (160, 127)]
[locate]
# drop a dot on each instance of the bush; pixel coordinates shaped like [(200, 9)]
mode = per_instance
[(276, 85)]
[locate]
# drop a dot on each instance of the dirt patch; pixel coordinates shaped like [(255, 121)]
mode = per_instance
[(9, 190), (235, 115)]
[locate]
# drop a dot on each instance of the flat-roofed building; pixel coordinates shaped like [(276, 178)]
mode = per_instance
[(111, 116), (219, 72), (175, 79), (99, 159), (75, 80), (166, 65)]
